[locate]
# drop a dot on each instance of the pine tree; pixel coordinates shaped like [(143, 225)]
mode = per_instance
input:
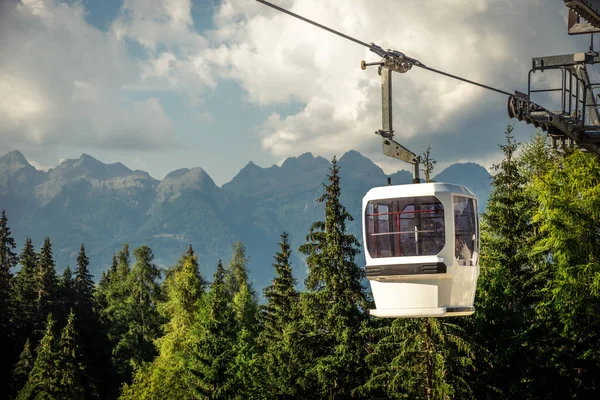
[(334, 304), (45, 284), (167, 376), (84, 286), (23, 367), (8, 260), (24, 293), (568, 220), (116, 312), (277, 359), (66, 296), (136, 319), (236, 275), (71, 378), (214, 339), (43, 380), (506, 289)]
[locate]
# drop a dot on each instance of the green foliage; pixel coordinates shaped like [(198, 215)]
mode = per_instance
[(8, 260), (65, 299), (509, 284), (45, 283), (428, 164), (214, 339), (84, 284), (534, 333), (57, 372), (43, 380), (279, 363), (333, 306), (419, 358), (167, 376), (130, 315), (23, 366), (24, 295), (568, 217), (71, 378)]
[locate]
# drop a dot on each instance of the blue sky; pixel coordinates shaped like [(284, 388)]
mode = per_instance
[(165, 84)]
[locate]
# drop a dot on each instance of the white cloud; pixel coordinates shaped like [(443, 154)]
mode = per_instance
[(61, 80), (278, 59), (174, 50)]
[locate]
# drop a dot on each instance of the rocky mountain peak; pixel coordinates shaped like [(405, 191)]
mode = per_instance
[(13, 161)]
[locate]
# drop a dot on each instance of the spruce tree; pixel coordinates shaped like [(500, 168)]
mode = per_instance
[(93, 342), (277, 364), (138, 317), (45, 284), (71, 377), (236, 274), (167, 376), (116, 312), (24, 293), (84, 286), (23, 367), (8, 260), (506, 287), (214, 339), (65, 299), (568, 220), (334, 305), (43, 380)]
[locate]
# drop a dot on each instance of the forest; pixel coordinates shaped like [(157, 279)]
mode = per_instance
[(142, 332)]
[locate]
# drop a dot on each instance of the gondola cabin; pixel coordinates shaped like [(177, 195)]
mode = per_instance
[(421, 249)]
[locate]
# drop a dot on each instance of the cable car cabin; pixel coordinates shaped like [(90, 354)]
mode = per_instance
[(422, 247)]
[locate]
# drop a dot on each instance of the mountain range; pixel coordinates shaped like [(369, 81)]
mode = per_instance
[(106, 205)]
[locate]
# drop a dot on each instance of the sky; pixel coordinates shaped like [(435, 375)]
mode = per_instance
[(166, 84)]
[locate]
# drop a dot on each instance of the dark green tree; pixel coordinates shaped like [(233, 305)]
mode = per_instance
[(214, 340), (568, 220), (333, 307), (133, 306), (236, 273), (43, 380), (45, 284), (84, 286), (277, 364), (8, 260), (66, 296), (117, 310), (23, 367), (92, 339), (506, 287), (24, 294), (71, 372)]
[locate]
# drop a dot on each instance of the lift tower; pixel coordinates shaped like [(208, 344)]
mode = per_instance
[(577, 122)]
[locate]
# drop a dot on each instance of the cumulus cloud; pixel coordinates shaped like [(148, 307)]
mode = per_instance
[(278, 59), (174, 59), (61, 83)]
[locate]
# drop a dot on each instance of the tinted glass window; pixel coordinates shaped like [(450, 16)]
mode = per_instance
[(404, 227), (465, 230)]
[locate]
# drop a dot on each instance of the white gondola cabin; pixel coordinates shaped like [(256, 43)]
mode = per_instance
[(421, 249)]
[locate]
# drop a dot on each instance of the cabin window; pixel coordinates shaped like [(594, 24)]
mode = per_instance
[(411, 226), (466, 241)]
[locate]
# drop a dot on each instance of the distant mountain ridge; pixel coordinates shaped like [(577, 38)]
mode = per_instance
[(106, 205)]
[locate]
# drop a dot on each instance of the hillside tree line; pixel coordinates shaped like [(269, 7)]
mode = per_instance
[(142, 332)]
